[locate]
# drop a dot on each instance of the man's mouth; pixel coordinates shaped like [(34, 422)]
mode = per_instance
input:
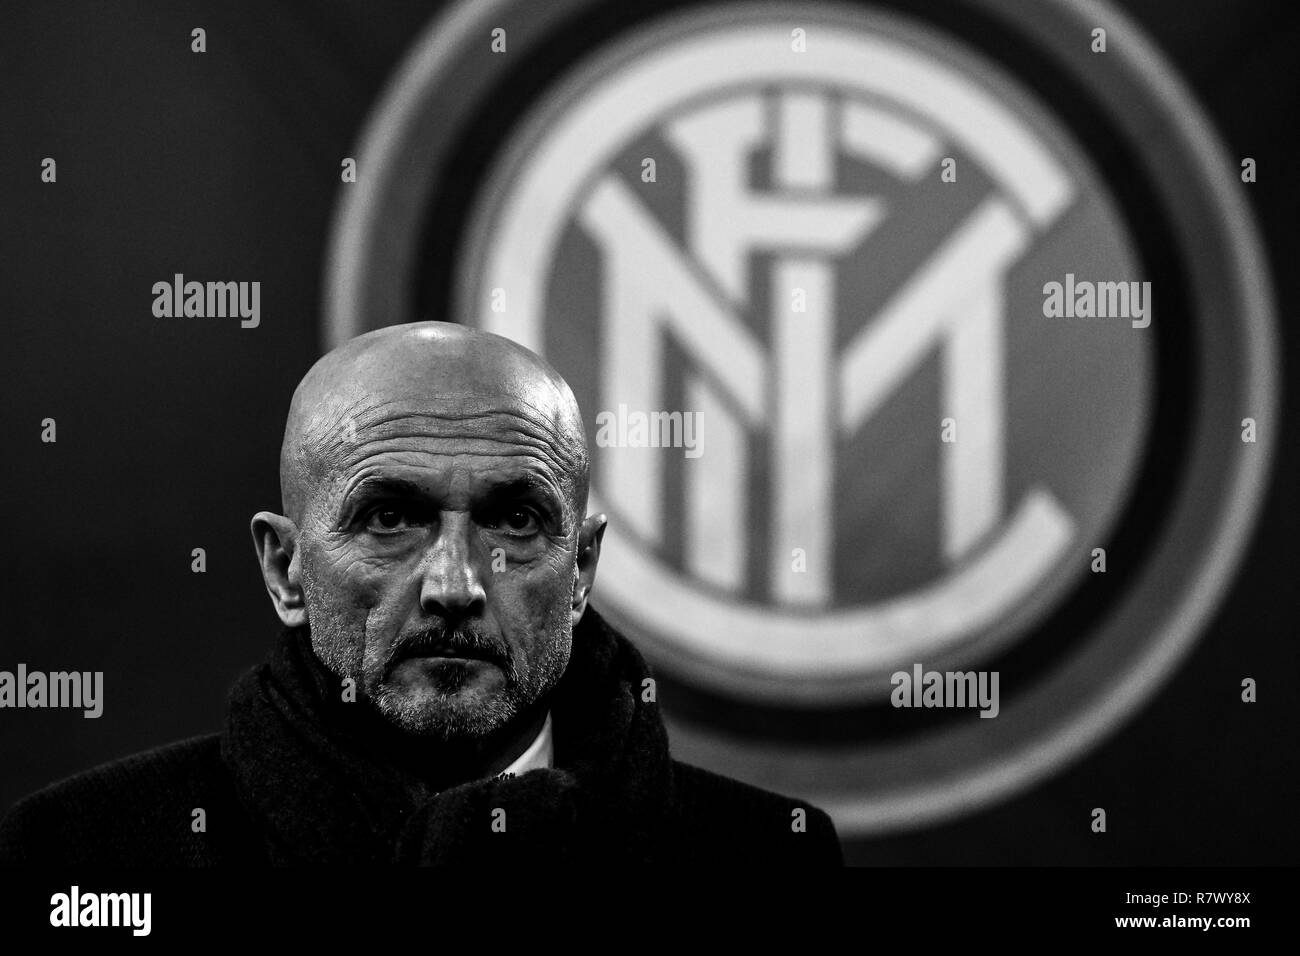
[(445, 650), (443, 654)]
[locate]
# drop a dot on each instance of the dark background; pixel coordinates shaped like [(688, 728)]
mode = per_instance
[(226, 166)]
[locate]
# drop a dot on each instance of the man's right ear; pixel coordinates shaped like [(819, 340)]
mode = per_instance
[(276, 539)]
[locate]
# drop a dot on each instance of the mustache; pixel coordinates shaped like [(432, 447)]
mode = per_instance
[(441, 639)]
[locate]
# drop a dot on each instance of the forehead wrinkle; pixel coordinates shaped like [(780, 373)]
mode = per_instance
[(396, 469), (419, 458), (486, 442), (498, 426), (489, 417), (326, 436), (547, 418), (383, 474), (566, 428), (323, 434), (488, 432)]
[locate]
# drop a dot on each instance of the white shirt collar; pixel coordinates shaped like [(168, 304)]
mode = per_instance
[(539, 754)]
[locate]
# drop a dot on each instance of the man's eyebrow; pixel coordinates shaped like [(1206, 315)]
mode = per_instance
[(378, 485), (521, 486), (526, 486)]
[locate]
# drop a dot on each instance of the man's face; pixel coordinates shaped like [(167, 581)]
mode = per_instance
[(437, 559)]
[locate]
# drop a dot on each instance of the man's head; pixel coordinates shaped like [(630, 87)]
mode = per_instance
[(434, 482)]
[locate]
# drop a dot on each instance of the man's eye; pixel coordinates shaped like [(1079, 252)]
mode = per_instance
[(519, 521), (390, 518)]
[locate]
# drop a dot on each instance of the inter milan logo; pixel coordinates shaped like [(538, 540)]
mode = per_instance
[(820, 245), (905, 349)]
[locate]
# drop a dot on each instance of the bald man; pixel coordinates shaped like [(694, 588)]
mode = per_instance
[(441, 692)]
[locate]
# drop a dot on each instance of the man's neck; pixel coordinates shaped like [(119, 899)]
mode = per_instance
[(519, 742)]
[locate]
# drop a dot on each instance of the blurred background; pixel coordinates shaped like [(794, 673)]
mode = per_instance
[(226, 166)]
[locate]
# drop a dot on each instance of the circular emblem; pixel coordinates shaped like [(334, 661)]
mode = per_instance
[(903, 350)]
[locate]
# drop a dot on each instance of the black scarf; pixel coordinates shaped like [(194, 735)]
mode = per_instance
[(306, 769)]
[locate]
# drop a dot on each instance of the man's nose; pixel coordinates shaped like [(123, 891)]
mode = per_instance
[(451, 585)]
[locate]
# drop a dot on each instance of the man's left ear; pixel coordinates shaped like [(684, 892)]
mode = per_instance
[(589, 538)]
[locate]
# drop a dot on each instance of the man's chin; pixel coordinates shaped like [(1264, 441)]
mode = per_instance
[(446, 699)]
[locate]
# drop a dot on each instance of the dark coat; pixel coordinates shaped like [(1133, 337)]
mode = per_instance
[(297, 777)]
